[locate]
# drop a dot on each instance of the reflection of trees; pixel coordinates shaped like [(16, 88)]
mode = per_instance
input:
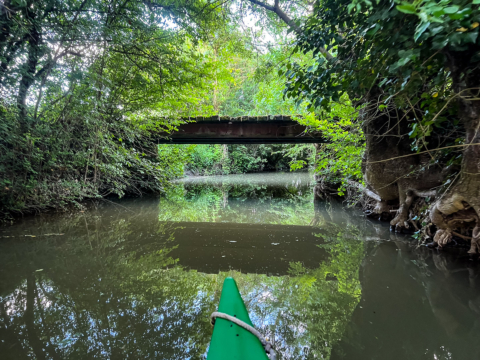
[(251, 203), (416, 303), (111, 289), (115, 292), (306, 313), (104, 295)]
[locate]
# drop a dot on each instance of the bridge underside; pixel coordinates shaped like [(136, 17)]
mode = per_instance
[(244, 130)]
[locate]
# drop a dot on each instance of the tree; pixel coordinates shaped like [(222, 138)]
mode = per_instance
[(85, 84), (413, 70)]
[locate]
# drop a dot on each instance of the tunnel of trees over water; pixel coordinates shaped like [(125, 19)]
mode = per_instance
[(393, 86)]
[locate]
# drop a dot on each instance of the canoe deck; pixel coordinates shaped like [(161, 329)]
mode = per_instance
[(230, 341)]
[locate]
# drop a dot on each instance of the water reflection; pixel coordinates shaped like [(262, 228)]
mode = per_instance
[(416, 303), (257, 199), (102, 296), (139, 279)]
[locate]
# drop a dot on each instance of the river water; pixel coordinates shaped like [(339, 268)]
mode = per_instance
[(138, 278)]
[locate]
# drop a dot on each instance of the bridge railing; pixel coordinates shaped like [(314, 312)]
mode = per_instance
[(215, 118)]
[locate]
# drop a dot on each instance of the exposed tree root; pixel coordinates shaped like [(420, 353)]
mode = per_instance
[(457, 212), (452, 215), (474, 248), (459, 208), (400, 221), (443, 237)]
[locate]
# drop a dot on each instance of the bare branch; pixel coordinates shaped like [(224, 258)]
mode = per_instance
[(259, 3), (290, 22)]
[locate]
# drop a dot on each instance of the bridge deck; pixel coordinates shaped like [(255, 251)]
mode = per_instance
[(278, 129)]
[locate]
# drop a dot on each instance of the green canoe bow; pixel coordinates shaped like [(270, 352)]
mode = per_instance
[(230, 341)]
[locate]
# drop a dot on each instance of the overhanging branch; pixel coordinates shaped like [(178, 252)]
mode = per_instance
[(287, 20)]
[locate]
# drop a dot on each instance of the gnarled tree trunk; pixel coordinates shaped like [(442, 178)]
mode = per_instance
[(459, 207), (390, 168)]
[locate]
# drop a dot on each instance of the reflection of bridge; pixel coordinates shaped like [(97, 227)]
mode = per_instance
[(242, 130), (211, 247)]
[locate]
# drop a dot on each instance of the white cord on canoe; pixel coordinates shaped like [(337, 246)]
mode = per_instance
[(267, 345)]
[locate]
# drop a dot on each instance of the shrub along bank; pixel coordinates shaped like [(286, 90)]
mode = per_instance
[(240, 159)]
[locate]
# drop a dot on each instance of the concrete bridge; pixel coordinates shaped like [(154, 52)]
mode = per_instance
[(278, 129)]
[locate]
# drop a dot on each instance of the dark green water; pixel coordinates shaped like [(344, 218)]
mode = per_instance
[(138, 278)]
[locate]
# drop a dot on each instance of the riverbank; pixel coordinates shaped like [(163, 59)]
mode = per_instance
[(356, 196), (66, 198)]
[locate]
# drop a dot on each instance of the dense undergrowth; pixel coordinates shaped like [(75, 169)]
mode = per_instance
[(241, 159), (81, 104)]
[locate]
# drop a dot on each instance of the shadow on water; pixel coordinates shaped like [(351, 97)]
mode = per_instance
[(416, 304), (138, 279)]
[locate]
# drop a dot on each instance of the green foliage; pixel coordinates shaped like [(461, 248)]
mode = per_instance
[(172, 159), (80, 111), (207, 160), (398, 53), (85, 93), (248, 158), (246, 83), (241, 159), (339, 160), (200, 202), (418, 60)]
